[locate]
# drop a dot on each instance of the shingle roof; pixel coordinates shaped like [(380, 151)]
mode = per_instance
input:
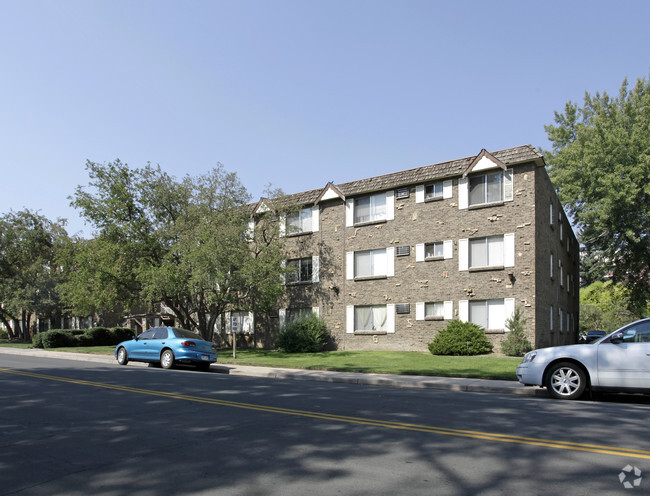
[(509, 156)]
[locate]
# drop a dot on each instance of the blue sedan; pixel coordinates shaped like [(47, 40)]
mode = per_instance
[(167, 346)]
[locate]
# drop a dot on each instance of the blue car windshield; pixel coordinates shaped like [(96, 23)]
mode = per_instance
[(184, 333)]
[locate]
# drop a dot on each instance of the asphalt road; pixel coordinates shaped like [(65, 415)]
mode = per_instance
[(82, 428)]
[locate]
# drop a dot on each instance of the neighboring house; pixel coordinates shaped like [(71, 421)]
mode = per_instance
[(387, 261)]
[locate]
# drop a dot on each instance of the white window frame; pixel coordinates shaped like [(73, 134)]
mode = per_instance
[(447, 191), (447, 310), (508, 252), (507, 190), (388, 327), (351, 266), (305, 220), (283, 314), (447, 251), (351, 205), (508, 311)]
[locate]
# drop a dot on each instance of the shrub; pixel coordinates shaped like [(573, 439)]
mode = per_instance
[(56, 338), (308, 335), (97, 336), (121, 334), (460, 338), (516, 343)]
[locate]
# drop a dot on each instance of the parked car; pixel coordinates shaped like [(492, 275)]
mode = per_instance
[(618, 362), (593, 335), (167, 346)]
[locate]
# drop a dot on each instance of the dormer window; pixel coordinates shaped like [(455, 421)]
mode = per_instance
[(486, 188), (300, 222)]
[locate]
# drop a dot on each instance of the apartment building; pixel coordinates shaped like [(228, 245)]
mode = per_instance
[(387, 261)]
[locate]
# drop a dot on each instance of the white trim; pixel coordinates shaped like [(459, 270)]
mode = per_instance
[(508, 310), (390, 205), (463, 193), (463, 254), (448, 312), (419, 252), (315, 218), (448, 249), (349, 319), (419, 310), (509, 250), (508, 185), (419, 193), (390, 318), (282, 315), (463, 310), (390, 261), (315, 268), (447, 189), (283, 225), (316, 311), (349, 212), (349, 265), (485, 163)]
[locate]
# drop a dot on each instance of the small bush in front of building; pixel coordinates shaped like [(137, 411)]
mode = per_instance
[(97, 336), (308, 335), (460, 339), (121, 334), (56, 338), (516, 343)]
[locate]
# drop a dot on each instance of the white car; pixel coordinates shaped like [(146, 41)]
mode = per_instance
[(619, 361)]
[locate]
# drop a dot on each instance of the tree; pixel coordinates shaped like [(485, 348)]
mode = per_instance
[(516, 344), (600, 165), (183, 244), (604, 305), (29, 274)]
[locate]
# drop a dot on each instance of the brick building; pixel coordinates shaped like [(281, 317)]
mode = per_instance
[(387, 261)]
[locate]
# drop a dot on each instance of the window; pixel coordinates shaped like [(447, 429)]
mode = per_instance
[(300, 221), (370, 209), (161, 333), (370, 263), (559, 264), (300, 270), (371, 318), (551, 266), (434, 310), (296, 314), (637, 333), (551, 213), (489, 314), (486, 188), (486, 252), (433, 191), (551, 316), (432, 250)]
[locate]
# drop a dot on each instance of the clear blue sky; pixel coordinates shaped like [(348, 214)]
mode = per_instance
[(294, 93)]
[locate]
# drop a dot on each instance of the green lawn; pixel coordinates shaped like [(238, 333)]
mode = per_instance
[(387, 362)]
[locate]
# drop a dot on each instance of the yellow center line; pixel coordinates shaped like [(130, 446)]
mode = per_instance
[(505, 438)]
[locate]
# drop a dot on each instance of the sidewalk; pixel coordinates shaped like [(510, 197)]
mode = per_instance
[(390, 380)]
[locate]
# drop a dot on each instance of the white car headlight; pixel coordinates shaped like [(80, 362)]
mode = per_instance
[(529, 357)]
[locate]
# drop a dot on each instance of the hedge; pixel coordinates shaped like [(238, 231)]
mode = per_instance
[(96, 336)]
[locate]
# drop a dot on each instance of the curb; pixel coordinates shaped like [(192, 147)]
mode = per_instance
[(387, 380)]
